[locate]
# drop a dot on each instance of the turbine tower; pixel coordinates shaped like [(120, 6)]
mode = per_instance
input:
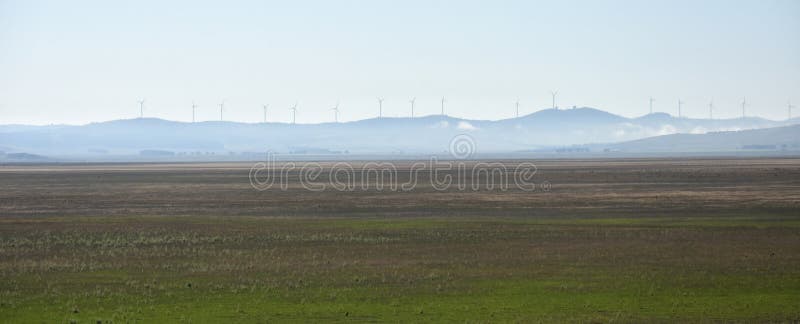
[(744, 104), (711, 109), (336, 113), (517, 106), (554, 93), (380, 107), (443, 101), (680, 103), (789, 106), (221, 108), (412, 106), (294, 112), (194, 109), (141, 108), (651, 105), (265, 112)]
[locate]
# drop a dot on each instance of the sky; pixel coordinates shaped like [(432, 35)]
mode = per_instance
[(76, 62)]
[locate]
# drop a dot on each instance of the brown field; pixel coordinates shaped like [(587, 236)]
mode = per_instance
[(705, 187), (611, 240)]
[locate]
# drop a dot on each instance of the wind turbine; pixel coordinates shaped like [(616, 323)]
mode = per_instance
[(789, 106), (221, 108), (711, 109), (412, 106), (141, 108), (554, 93), (443, 101), (680, 103), (265, 112), (517, 105), (744, 104), (651, 105), (336, 113), (294, 112), (380, 107), (194, 108)]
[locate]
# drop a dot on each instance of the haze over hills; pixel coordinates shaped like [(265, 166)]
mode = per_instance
[(785, 138), (544, 129)]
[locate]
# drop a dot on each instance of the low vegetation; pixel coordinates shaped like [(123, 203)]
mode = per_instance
[(545, 258)]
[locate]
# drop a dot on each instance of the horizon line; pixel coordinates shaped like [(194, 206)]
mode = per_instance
[(395, 117)]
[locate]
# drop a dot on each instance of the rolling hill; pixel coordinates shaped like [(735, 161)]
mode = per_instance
[(429, 134), (767, 139)]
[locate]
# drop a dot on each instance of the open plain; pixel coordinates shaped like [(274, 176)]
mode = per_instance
[(628, 240)]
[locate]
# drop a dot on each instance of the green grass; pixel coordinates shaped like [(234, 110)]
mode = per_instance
[(681, 240), (410, 270), (596, 298)]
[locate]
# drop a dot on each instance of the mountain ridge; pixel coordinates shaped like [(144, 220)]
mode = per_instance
[(543, 112), (424, 134)]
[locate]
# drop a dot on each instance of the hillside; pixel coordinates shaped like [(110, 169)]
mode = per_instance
[(428, 134), (768, 139)]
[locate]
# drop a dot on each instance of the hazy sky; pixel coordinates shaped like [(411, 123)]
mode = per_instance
[(84, 61)]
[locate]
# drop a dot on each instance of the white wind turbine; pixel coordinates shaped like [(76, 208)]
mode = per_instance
[(141, 108), (744, 104), (554, 93), (651, 104), (294, 113), (443, 101), (265, 106), (711, 109), (221, 108), (517, 106), (194, 109), (336, 112), (412, 105), (680, 104), (789, 106), (380, 107)]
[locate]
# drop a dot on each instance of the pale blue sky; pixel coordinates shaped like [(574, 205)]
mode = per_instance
[(83, 61)]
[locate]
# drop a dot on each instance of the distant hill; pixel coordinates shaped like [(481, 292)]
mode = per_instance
[(22, 157), (427, 134), (768, 139)]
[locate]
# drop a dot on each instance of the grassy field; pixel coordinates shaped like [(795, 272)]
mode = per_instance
[(692, 240)]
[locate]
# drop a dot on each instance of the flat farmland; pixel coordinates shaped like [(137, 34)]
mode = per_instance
[(628, 240)]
